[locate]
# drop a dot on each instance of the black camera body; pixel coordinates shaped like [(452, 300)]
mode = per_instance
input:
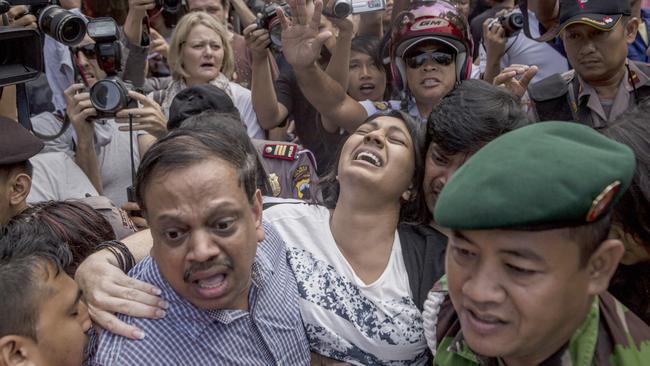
[(270, 21), (170, 6), (512, 23), (62, 25), (110, 95)]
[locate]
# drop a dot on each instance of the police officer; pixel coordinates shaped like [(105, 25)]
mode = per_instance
[(288, 169), (603, 83), (529, 259), (17, 145)]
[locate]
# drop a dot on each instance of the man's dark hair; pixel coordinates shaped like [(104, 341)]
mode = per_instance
[(368, 45), (221, 121), (633, 210), (24, 167), (184, 147), (25, 265), (413, 211), (70, 222), (470, 116), (590, 236)]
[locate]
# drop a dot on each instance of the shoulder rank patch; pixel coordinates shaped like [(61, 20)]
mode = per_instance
[(382, 106), (280, 151)]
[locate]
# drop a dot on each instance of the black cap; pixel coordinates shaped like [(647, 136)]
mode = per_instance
[(600, 14), (16, 143), (197, 99)]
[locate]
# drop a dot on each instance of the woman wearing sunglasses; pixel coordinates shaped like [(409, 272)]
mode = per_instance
[(430, 51)]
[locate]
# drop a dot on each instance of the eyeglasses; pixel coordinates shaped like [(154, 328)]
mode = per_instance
[(439, 57), (88, 50)]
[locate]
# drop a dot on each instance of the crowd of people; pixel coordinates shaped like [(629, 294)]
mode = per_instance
[(435, 182)]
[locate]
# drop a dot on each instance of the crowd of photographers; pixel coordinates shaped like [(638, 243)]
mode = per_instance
[(380, 182)]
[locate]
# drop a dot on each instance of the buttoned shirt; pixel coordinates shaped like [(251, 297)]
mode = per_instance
[(623, 100), (269, 333)]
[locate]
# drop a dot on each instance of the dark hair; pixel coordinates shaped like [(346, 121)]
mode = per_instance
[(24, 167), (632, 211), (471, 115), (71, 222), (590, 236), (25, 265), (413, 210), (370, 45), (221, 121), (184, 147)]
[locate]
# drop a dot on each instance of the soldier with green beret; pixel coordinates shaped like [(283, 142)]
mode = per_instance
[(529, 259)]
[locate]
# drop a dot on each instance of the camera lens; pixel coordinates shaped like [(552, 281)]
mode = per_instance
[(516, 21), (170, 6), (108, 96), (62, 25), (342, 8)]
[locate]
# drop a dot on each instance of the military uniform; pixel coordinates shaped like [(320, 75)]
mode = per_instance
[(566, 97), (290, 169), (545, 176)]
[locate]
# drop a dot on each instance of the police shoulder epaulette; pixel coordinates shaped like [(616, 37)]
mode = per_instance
[(280, 151)]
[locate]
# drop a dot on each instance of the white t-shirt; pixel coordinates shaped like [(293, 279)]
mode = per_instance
[(57, 177), (346, 319), (525, 51)]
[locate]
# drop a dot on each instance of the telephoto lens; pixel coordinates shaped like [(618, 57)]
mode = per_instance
[(62, 25)]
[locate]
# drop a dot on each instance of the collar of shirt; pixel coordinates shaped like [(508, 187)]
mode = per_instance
[(193, 320), (621, 102), (580, 348)]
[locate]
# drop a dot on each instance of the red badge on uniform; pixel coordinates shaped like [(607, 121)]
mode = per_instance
[(280, 151)]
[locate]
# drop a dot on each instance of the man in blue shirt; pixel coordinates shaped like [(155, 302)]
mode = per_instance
[(232, 298)]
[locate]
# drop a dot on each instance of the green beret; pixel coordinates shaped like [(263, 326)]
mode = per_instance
[(548, 174)]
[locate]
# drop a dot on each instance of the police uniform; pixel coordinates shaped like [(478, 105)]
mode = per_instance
[(290, 169), (539, 188), (566, 97)]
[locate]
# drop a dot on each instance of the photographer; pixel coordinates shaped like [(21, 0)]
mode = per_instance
[(504, 44), (99, 146)]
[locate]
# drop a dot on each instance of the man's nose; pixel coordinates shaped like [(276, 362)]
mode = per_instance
[(202, 247)]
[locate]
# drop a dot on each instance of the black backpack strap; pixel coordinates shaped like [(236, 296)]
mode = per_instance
[(423, 250)]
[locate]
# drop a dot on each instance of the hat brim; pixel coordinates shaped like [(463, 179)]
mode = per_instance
[(409, 44), (603, 22)]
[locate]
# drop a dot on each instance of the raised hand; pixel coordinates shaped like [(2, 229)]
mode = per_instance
[(148, 118), (301, 39), (516, 78)]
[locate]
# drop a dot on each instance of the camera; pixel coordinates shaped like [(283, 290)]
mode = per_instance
[(270, 21), (512, 23), (58, 23), (343, 8), (170, 6), (110, 95)]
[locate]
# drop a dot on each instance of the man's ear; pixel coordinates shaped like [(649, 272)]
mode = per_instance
[(603, 264), (631, 29), (21, 184), (16, 351), (257, 215)]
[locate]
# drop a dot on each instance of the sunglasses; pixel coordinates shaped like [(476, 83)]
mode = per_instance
[(439, 57), (88, 50)]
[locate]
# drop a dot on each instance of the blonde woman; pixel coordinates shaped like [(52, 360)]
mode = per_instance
[(199, 53)]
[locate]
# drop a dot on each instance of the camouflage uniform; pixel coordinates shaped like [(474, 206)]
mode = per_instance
[(610, 335)]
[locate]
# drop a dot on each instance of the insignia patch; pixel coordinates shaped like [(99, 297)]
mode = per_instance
[(602, 201), (382, 106), (274, 182), (608, 20), (582, 3), (302, 181), (280, 151)]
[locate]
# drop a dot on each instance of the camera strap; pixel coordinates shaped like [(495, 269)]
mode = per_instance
[(547, 36), (22, 105)]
